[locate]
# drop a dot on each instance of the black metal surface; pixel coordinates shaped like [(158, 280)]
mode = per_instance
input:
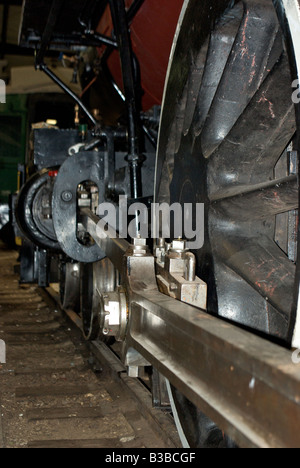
[(11, 2), (134, 9), (227, 120), (88, 303), (199, 430), (132, 99), (51, 146), (43, 265), (30, 220), (86, 19), (82, 167), (222, 150), (36, 14), (67, 90), (52, 18), (67, 42), (4, 29), (27, 263)]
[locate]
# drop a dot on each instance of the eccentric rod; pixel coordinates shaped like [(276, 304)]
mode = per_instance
[(134, 158), (67, 90)]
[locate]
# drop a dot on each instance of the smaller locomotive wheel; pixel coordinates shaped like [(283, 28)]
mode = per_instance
[(34, 211), (70, 286), (95, 279)]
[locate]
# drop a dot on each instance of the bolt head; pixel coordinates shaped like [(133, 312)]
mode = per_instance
[(67, 196), (178, 245)]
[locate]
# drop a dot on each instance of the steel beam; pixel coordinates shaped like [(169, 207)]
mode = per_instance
[(249, 386)]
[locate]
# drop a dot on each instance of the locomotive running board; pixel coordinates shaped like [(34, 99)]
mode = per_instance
[(249, 386)]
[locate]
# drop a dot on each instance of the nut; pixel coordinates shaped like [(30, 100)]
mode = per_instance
[(179, 245), (140, 247), (138, 241)]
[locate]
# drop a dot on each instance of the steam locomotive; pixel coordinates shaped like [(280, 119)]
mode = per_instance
[(185, 104)]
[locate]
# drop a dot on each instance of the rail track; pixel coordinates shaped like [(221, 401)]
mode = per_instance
[(56, 391)]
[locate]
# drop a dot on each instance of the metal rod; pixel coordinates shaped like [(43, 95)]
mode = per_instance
[(101, 39), (190, 269), (4, 29), (278, 196), (145, 129), (49, 28), (134, 159), (67, 90), (134, 9), (88, 39)]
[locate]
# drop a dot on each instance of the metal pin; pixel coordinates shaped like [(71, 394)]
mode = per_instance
[(190, 267)]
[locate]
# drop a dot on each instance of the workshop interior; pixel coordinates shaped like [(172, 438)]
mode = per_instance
[(149, 187)]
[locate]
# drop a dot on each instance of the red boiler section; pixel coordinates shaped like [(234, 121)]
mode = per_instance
[(152, 33)]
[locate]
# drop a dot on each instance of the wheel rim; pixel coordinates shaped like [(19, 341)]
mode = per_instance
[(228, 119), (35, 227), (70, 286), (88, 304), (96, 278)]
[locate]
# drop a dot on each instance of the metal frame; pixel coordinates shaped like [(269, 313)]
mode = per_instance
[(246, 384), (129, 65)]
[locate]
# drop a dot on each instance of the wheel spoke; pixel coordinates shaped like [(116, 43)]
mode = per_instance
[(249, 153), (261, 201), (262, 264), (193, 86), (246, 69), (221, 43)]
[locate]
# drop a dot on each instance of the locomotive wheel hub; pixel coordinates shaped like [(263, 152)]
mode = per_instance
[(113, 314)]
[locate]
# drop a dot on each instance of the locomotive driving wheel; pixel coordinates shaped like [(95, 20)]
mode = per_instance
[(70, 285), (228, 140), (34, 212), (96, 280)]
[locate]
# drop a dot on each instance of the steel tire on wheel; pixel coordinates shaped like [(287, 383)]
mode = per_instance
[(29, 217), (96, 279)]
